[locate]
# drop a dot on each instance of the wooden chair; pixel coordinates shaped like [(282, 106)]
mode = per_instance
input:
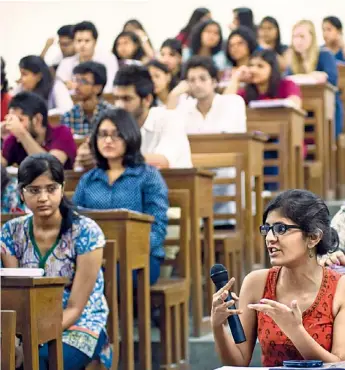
[(171, 295), (8, 334), (110, 289), (228, 243)]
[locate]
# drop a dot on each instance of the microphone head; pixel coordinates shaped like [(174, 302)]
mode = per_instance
[(219, 273)]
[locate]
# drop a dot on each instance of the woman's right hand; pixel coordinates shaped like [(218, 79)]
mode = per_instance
[(220, 309)]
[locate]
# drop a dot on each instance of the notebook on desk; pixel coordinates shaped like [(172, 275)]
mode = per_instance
[(22, 272), (331, 366), (271, 103)]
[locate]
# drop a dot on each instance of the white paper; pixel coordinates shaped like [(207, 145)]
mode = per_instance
[(22, 272)]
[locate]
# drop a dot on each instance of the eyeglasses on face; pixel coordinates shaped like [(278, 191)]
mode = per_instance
[(51, 189), (82, 81), (277, 229), (104, 134)]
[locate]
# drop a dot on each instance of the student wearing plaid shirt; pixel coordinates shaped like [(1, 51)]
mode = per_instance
[(90, 79)]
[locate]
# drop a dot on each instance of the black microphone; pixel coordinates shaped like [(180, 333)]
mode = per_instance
[(220, 277)]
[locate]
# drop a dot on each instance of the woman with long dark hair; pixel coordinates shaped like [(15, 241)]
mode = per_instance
[(206, 40), (270, 38), (171, 56), (35, 77), (121, 179), (332, 30), (243, 17), (127, 46), (199, 15), (63, 243)]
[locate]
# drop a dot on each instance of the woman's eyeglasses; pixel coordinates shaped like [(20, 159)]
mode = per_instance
[(38, 190), (277, 228), (104, 134)]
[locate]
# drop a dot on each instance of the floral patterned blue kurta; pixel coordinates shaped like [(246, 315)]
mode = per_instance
[(83, 237), (10, 198)]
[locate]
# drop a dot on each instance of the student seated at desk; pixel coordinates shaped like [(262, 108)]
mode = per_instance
[(123, 180), (296, 309), (31, 133), (63, 243), (171, 56), (332, 30), (89, 79), (164, 141), (314, 65)]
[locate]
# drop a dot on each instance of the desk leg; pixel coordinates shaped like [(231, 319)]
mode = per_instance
[(126, 316), (144, 318), (30, 348), (209, 258), (249, 224), (55, 354), (259, 245)]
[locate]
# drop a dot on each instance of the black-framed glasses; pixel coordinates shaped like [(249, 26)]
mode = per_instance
[(104, 134), (277, 229)]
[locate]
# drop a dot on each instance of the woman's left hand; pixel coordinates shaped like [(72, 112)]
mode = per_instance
[(287, 318)]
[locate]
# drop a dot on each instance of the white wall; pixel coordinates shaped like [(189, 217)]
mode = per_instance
[(25, 25)]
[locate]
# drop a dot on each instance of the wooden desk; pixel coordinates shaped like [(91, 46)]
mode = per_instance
[(341, 86), (320, 100), (252, 147), (199, 183), (131, 231), (287, 126), (38, 304)]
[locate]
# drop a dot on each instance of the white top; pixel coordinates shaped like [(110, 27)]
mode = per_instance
[(65, 69), (227, 115), (163, 133)]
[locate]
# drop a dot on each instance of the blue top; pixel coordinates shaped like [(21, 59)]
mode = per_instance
[(85, 236), (10, 198), (140, 189), (340, 55)]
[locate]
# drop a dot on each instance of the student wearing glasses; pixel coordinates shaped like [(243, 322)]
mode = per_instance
[(63, 243), (89, 79), (122, 179), (296, 309)]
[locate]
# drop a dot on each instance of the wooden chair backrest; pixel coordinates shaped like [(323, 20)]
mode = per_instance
[(225, 160), (180, 199), (8, 333)]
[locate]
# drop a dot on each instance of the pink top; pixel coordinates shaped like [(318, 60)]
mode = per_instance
[(286, 88)]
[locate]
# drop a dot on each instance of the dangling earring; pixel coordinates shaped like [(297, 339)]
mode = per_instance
[(310, 252)]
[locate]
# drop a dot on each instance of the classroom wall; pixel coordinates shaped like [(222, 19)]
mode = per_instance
[(25, 25)]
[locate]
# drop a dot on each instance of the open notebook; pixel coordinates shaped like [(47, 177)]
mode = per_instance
[(21, 272)]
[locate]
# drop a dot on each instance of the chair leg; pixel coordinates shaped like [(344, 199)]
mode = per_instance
[(176, 334), (165, 329), (184, 317)]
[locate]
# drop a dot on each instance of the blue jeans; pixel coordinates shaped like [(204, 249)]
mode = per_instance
[(155, 270), (73, 359)]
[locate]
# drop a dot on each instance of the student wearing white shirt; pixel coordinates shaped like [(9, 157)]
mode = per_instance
[(164, 140), (206, 112), (85, 38)]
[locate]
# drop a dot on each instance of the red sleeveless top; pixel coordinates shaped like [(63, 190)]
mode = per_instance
[(317, 320)]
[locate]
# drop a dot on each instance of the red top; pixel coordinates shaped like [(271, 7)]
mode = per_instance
[(317, 320), (5, 101), (182, 36)]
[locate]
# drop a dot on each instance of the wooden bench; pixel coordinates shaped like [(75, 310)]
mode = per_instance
[(131, 231), (37, 302), (319, 102), (251, 145), (229, 244), (285, 127), (199, 184), (8, 333), (171, 295), (341, 138)]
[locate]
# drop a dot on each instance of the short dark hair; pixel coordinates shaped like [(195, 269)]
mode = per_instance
[(31, 104), (247, 35), (138, 76), (310, 213), (334, 21), (173, 44), (195, 42), (128, 130), (270, 57), (66, 31), (202, 62), (4, 81), (139, 52), (98, 71), (36, 65), (86, 26), (36, 165)]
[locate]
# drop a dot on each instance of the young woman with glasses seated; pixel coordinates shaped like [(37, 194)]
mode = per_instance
[(296, 309), (63, 243)]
